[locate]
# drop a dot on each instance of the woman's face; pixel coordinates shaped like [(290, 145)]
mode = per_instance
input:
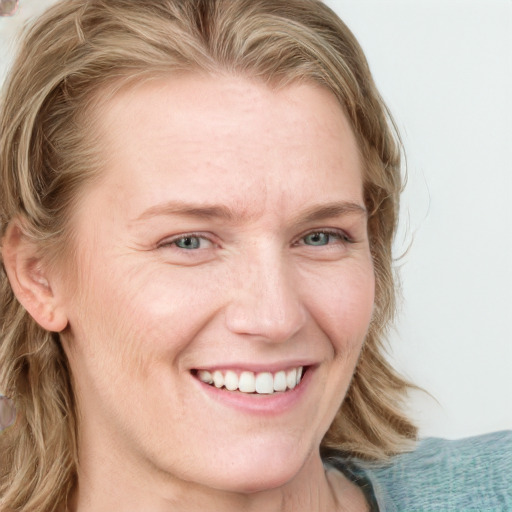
[(225, 241)]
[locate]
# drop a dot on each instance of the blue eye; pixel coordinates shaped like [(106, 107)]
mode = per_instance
[(188, 242), (319, 238)]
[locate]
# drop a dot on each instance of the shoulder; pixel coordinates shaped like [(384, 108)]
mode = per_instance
[(473, 474)]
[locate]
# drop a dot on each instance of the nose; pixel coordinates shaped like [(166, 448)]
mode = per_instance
[(264, 301)]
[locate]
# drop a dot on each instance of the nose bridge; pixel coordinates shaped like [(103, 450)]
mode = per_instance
[(265, 301)]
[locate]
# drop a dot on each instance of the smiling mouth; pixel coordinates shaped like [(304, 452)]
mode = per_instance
[(261, 383)]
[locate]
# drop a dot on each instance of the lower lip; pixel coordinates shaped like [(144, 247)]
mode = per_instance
[(261, 404)]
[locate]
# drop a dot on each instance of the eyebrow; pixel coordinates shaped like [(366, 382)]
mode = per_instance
[(222, 212), (325, 211)]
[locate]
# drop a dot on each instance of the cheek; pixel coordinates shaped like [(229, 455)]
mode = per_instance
[(133, 317), (342, 303)]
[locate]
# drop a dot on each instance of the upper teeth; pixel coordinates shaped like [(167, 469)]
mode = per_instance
[(249, 382)]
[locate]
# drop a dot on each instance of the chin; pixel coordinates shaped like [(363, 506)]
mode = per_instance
[(261, 470), (251, 482)]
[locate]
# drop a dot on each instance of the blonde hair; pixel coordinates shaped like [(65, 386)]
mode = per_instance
[(80, 51)]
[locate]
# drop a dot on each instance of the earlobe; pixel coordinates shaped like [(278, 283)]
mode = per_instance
[(29, 280)]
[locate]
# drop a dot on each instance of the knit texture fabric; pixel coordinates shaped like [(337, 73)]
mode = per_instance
[(467, 475)]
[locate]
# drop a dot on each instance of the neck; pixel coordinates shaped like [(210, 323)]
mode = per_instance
[(114, 486)]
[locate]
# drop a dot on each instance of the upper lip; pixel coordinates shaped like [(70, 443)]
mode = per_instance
[(257, 367)]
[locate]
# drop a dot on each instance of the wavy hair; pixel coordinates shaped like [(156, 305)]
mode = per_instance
[(76, 55)]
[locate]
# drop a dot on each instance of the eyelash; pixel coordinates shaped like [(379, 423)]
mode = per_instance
[(172, 241), (341, 236)]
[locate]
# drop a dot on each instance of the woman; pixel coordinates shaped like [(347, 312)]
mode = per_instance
[(199, 200)]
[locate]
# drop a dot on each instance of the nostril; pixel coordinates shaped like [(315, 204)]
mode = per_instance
[(264, 322)]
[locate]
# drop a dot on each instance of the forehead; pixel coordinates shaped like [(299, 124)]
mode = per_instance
[(229, 138)]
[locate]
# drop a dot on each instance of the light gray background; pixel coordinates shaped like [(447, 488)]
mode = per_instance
[(445, 69)]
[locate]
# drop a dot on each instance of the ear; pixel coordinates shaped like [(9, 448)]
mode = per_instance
[(29, 280)]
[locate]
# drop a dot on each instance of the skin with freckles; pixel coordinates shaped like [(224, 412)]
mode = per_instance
[(227, 231)]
